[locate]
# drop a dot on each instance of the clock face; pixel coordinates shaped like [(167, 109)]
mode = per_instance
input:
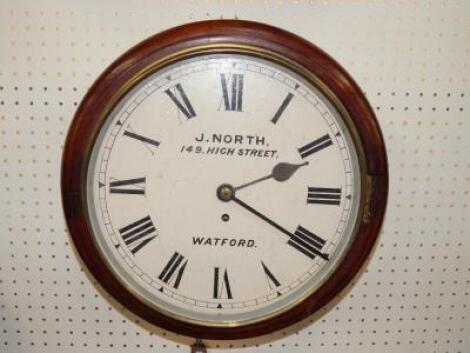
[(223, 189)]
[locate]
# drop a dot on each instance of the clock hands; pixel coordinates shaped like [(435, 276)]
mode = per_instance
[(281, 172), (226, 192)]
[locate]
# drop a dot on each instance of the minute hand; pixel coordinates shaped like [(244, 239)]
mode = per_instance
[(274, 224)]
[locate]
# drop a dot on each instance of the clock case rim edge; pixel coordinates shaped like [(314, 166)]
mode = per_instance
[(308, 77), (85, 127)]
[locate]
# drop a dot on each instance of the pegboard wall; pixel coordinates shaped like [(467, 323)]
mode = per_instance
[(410, 57)]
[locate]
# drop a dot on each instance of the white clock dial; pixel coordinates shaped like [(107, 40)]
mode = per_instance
[(223, 189)]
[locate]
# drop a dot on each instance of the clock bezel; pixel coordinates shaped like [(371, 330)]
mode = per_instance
[(237, 37)]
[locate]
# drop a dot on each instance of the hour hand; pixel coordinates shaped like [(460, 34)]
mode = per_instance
[(281, 172)]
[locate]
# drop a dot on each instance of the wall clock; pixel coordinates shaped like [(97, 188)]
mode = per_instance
[(224, 179)]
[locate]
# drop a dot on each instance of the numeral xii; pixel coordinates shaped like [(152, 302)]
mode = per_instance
[(233, 96)]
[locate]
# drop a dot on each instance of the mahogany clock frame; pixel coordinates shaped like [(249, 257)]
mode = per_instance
[(92, 113)]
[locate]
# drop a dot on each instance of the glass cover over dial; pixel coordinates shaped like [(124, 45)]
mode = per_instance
[(223, 189)]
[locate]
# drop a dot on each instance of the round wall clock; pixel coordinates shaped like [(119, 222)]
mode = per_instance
[(224, 179)]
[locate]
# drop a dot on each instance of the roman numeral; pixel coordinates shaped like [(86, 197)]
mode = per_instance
[(307, 243), (282, 107), (146, 141), (138, 234), (173, 270), (315, 146), (179, 97), (324, 196), (234, 100), (149, 143), (134, 186), (221, 284), (272, 281)]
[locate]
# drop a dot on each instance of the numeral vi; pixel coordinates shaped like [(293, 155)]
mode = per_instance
[(221, 284)]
